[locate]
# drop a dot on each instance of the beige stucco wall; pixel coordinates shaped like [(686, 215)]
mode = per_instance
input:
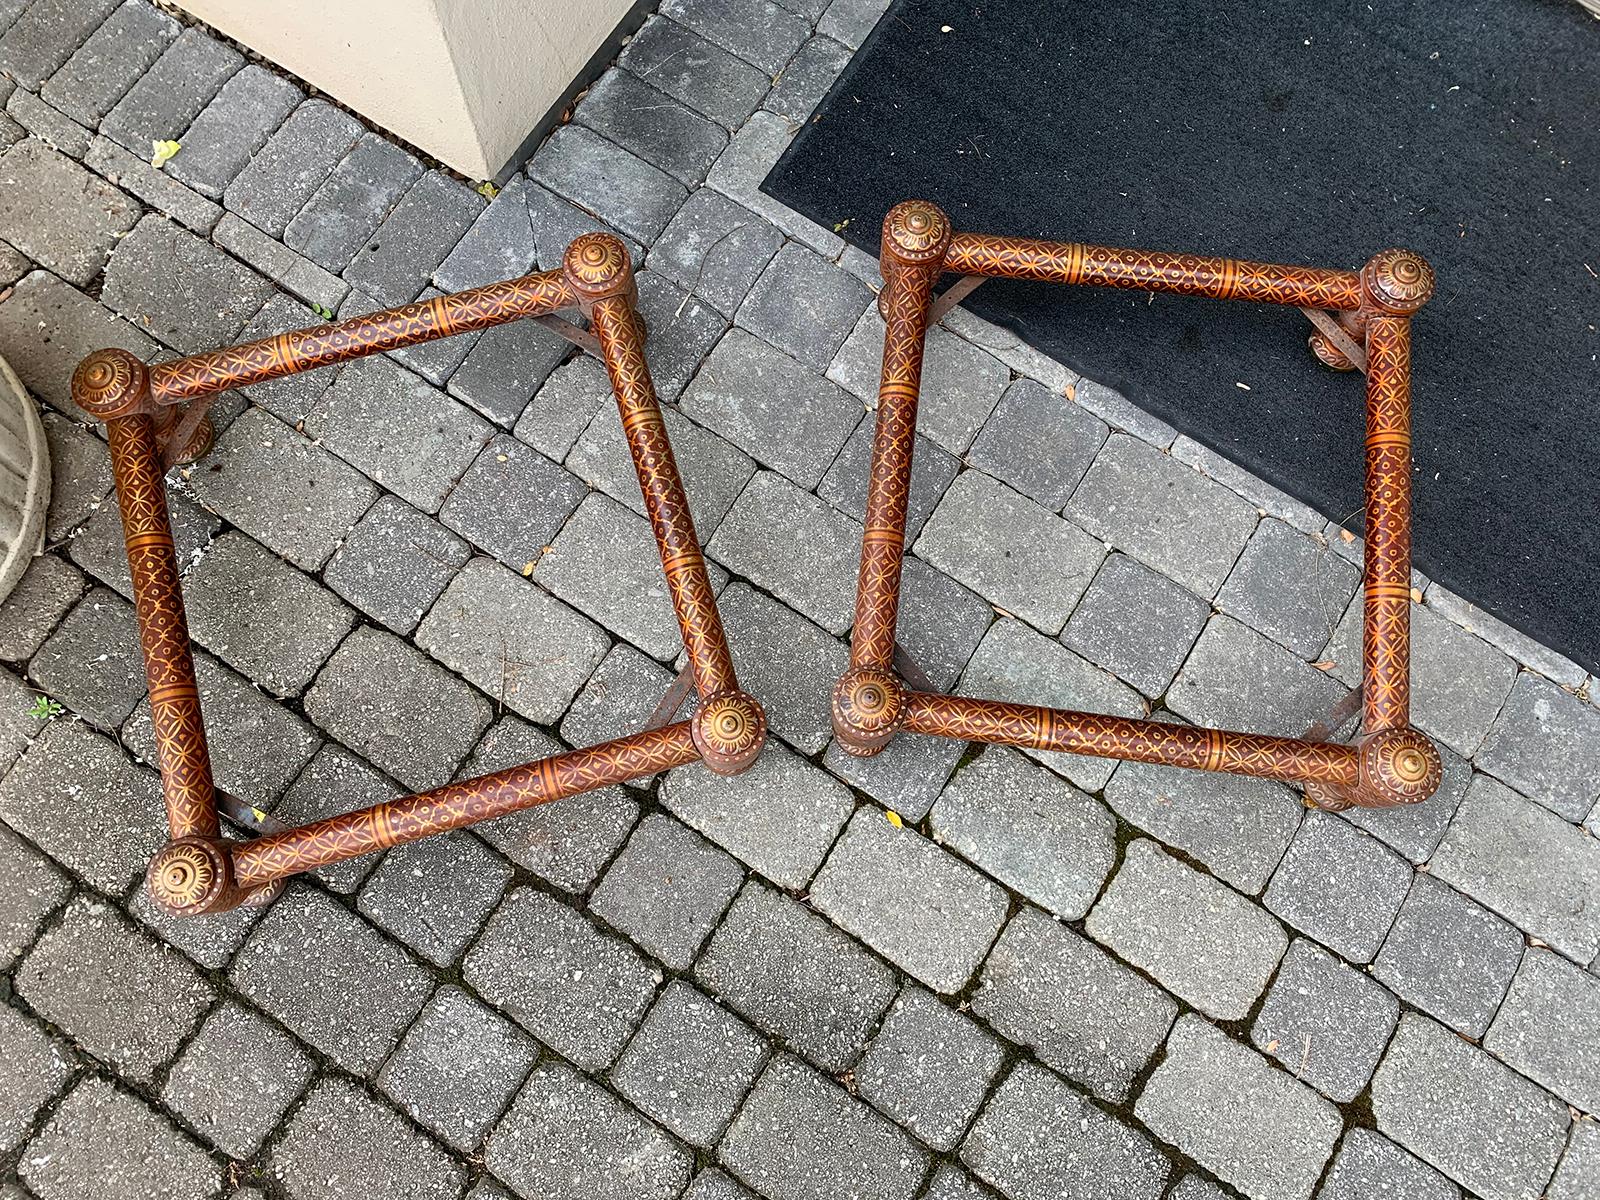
[(465, 80)]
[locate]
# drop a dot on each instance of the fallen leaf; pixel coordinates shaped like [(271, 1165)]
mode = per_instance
[(487, 190), (893, 818), (1326, 664), (1346, 536), (527, 569), (160, 152), (1416, 595)]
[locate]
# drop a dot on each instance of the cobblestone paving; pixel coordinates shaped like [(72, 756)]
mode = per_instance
[(1061, 978)]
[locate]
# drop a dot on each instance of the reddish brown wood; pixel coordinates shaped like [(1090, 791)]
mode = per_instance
[(199, 871), (1390, 763)]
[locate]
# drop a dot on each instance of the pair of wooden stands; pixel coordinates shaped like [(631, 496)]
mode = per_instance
[(157, 416)]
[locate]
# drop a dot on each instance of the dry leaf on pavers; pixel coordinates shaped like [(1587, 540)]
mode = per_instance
[(160, 152)]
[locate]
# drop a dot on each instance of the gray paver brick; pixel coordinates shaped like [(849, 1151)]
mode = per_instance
[(398, 430), (256, 746), (801, 1137), (945, 622), (435, 894), (350, 204), (929, 1068), (667, 889), (76, 797), (161, 105), (278, 487), (121, 996), (332, 979), (845, 485), (1221, 1104), (1236, 678), (504, 240), (618, 699), (433, 215), (1578, 1177), (1039, 442), (786, 660), (712, 1184), (395, 562), (511, 502), (1449, 957), (1327, 1023), (563, 408), (566, 1138), (45, 34), (44, 365), (1010, 550), (18, 724), (961, 383), (1079, 1009), (606, 564), (228, 131), (1237, 826), (849, 21), (802, 84), (180, 288), (690, 1064), (92, 662), (59, 215), (795, 976), (680, 330), (127, 42), (652, 125), (1369, 1164), (1460, 1110), (260, 615), (1163, 513), (905, 777), (30, 887), (1136, 623), (713, 246), (702, 75), (600, 176), (1549, 1025), (44, 122), (714, 471), (156, 188), (763, 33), (210, 943), (394, 705), (745, 164), (234, 1081), (80, 476), (1341, 886), (47, 589), (920, 907), (106, 1143), (1197, 936), (1029, 829), (579, 991), (1546, 744), (35, 1068), (772, 407), (291, 271), (1458, 681), (458, 1067), (502, 633), (779, 817), (340, 1143), (1014, 662), (1527, 864), (795, 546), (804, 305), (296, 160), (1291, 587), (1040, 1139), (336, 781), (565, 844)]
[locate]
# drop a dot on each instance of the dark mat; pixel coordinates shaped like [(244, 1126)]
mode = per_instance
[(1291, 132)]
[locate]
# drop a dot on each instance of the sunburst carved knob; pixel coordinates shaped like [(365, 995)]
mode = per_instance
[(916, 231), (868, 706), (1397, 281), (597, 265), (1399, 766), (110, 383), (188, 876), (729, 730)]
